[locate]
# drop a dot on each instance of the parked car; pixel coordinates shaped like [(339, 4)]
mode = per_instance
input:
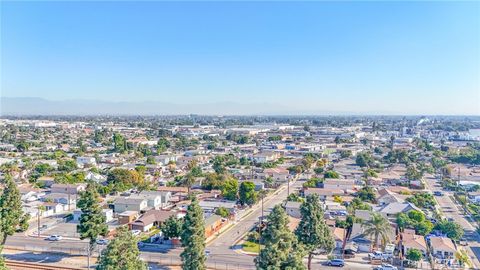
[(386, 267), (102, 241), (336, 262), (376, 255), (438, 193), (54, 237), (136, 232)]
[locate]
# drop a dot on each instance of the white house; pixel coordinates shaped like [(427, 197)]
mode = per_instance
[(89, 161), (442, 247), (293, 209), (343, 184), (130, 204)]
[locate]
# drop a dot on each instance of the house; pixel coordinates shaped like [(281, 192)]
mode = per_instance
[(474, 197), (72, 189), (96, 177), (151, 219), (442, 247), (323, 193), (409, 240), (107, 213), (165, 159), (391, 210), (62, 198), (339, 234), (213, 224), (363, 241), (52, 208), (86, 161), (265, 157), (363, 214), (46, 181), (29, 194), (212, 205), (130, 204), (154, 200), (127, 217), (278, 174), (342, 184), (293, 209), (386, 196)]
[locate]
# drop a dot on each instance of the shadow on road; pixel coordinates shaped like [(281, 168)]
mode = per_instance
[(38, 257)]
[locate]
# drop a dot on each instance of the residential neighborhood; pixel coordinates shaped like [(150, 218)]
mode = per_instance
[(392, 192)]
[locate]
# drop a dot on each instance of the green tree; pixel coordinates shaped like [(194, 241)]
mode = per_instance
[(345, 153), (364, 159), (451, 229), (413, 174), (377, 227), (247, 193), (294, 197), (172, 227), (121, 253), (212, 181), (367, 194), (414, 255), (282, 250), (187, 181), (223, 212), (193, 238), (12, 218), (331, 174), (230, 189), (463, 259), (92, 221), (119, 143), (151, 160), (422, 200), (312, 231)]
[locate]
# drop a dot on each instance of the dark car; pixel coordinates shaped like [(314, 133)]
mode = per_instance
[(438, 193), (336, 262)]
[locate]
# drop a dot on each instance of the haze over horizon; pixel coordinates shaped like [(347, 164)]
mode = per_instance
[(240, 57)]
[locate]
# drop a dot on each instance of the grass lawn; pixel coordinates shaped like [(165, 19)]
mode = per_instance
[(250, 247)]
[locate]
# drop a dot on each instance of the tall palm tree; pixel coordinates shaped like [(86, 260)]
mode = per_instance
[(377, 227)]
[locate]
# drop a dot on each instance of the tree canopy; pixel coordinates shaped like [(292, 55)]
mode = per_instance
[(121, 253), (312, 231), (282, 250), (193, 238)]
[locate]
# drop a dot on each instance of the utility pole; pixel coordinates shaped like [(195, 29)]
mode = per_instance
[(288, 186), (88, 255), (38, 221)]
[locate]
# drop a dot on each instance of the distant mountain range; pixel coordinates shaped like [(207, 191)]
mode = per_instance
[(41, 106)]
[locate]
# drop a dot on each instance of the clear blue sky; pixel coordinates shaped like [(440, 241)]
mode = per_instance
[(399, 57)]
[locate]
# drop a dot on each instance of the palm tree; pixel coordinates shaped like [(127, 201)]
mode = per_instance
[(187, 181), (463, 259), (377, 227)]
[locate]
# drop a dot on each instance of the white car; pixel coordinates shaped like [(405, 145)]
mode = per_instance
[(376, 255), (386, 267), (136, 232), (54, 237), (102, 241)]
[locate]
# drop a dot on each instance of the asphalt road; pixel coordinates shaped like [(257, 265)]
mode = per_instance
[(455, 212), (221, 249)]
